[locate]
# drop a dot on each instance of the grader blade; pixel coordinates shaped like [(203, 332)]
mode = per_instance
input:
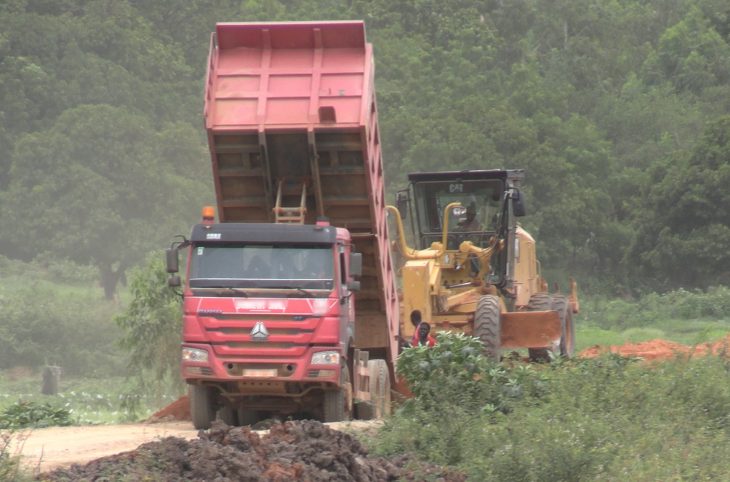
[(530, 329)]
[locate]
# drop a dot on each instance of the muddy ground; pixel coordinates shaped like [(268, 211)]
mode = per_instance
[(295, 450)]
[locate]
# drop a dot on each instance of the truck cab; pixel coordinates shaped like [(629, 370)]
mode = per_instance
[(269, 302)]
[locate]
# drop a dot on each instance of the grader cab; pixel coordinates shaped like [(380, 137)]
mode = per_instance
[(474, 269)]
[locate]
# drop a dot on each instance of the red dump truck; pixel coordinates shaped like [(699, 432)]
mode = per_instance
[(290, 303)]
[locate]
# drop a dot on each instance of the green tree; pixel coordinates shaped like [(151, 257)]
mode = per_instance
[(94, 188), (152, 324), (684, 228)]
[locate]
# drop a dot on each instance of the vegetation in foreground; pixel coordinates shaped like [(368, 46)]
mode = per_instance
[(602, 419), (86, 401)]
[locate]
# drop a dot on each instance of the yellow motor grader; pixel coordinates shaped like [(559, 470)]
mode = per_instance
[(474, 269)]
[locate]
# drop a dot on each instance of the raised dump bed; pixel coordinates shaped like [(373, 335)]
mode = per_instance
[(292, 126)]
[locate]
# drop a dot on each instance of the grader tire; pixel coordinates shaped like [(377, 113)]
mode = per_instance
[(487, 325), (567, 329), (539, 302)]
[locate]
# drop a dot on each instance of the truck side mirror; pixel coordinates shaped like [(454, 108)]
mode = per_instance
[(174, 281), (353, 285), (519, 204), (401, 202), (172, 260), (355, 264)]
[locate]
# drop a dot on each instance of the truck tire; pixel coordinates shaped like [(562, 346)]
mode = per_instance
[(201, 406), (487, 325), (380, 388), (539, 302), (228, 415), (338, 402), (567, 329), (248, 417)]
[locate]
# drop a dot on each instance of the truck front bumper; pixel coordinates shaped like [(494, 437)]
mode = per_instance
[(263, 368)]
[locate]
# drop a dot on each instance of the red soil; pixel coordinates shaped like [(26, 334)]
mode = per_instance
[(177, 410), (660, 349)]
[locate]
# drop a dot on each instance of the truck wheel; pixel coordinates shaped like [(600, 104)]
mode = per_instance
[(227, 415), (539, 302), (380, 388), (338, 402), (567, 329), (248, 417), (487, 325), (201, 406)]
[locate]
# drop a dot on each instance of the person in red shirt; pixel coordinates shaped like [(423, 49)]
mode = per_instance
[(422, 335)]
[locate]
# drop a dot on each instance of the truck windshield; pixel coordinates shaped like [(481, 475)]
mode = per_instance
[(262, 266)]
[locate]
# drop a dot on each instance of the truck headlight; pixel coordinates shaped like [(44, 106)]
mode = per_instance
[(194, 354), (326, 358)]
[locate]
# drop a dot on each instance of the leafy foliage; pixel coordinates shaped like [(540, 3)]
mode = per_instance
[(596, 417), (25, 414), (152, 328), (602, 102), (453, 382), (456, 371), (10, 468)]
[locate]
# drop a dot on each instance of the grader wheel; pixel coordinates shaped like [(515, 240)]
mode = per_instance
[(559, 303), (567, 337), (487, 325), (539, 302)]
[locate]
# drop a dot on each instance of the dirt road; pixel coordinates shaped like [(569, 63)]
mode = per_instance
[(49, 448)]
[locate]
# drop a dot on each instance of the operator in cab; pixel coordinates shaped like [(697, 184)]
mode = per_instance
[(470, 222)]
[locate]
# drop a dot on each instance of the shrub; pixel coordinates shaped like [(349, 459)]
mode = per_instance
[(607, 418), (455, 372), (9, 461), (657, 309), (454, 385), (152, 325), (24, 414)]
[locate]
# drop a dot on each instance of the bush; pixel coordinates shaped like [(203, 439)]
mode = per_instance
[(152, 325), (655, 309), (453, 384), (599, 419), (24, 414), (9, 461), (455, 372)]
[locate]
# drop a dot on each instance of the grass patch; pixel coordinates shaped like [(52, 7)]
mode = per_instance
[(687, 317), (88, 401)]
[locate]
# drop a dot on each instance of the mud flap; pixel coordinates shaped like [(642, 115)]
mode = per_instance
[(530, 329)]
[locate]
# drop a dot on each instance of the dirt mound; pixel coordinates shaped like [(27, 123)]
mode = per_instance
[(660, 349), (297, 450), (177, 410)]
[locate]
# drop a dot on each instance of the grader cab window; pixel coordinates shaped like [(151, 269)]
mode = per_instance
[(479, 212)]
